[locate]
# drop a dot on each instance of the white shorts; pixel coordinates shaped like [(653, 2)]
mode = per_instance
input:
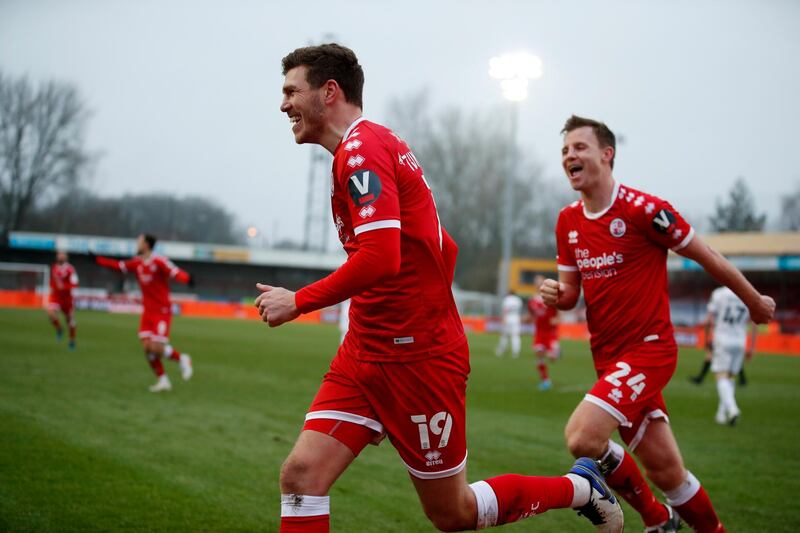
[(727, 358)]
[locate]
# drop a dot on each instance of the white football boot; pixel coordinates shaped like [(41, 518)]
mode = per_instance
[(602, 510), (186, 367), (162, 385)]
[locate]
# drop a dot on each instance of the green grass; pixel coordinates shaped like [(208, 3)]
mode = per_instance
[(85, 447)]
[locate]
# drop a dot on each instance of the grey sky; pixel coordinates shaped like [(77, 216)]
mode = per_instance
[(185, 95)]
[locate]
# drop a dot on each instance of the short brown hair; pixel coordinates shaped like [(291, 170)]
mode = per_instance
[(604, 135), (150, 239), (329, 62)]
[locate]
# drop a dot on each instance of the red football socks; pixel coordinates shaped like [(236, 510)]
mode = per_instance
[(542, 366), (305, 524), (694, 506), (172, 353), (155, 364), (627, 481), (519, 497), (305, 514)]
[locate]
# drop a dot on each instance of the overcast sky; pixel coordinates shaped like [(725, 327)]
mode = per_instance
[(185, 95)]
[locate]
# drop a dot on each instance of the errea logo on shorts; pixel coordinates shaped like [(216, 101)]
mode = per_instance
[(433, 458)]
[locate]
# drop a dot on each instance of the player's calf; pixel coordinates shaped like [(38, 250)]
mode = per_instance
[(623, 475), (692, 502), (315, 462)]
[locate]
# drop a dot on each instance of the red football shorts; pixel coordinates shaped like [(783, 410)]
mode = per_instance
[(155, 326), (546, 341), (420, 405), (630, 389), (60, 303)]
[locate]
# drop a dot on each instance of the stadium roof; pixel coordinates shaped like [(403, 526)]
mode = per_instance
[(755, 243), (750, 252), (187, 251)]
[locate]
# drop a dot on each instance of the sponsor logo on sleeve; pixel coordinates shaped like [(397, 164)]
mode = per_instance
[(367, 211), (664, 222), (364, 187), (352, 145), (355, 160), (617, 227)]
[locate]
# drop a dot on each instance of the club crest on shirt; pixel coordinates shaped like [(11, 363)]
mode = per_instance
[(664, 221), (617, 227), (364, 187)]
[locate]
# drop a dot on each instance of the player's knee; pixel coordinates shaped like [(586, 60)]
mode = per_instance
[(580, 444), (297, 477)]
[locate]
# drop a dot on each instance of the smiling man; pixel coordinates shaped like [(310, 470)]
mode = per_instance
[(614, 242), (402, 368)]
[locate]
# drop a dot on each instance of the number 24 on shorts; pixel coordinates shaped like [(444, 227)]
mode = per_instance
[(635, 383)]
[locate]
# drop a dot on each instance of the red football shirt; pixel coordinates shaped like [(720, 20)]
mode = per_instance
[(621, 254), (543, 315), (378, 183), (63, 278), (153, 275)]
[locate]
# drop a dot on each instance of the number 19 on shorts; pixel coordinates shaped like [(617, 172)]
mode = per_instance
[(440, 425)]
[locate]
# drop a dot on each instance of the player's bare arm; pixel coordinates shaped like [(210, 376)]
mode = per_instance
[(761, 307), (564, 293)]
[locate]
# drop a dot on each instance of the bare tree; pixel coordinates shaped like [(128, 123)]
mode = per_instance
[(190, 218), (41, 145), (790, 210), (464, 156), (738, 213)]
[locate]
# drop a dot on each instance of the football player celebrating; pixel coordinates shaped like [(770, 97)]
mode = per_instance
[(153, 273), (613, 242), (545, 339), (63, 278), (402, 369)]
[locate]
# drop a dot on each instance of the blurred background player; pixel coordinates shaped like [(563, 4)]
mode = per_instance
[(153, 273), (613, 242), (726, 325), (63, 278), (511, 309), (545, 338), (402, 369), (344, 319), (706, 366)]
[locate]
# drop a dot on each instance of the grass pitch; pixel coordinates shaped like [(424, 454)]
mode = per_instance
[(85, 447)]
